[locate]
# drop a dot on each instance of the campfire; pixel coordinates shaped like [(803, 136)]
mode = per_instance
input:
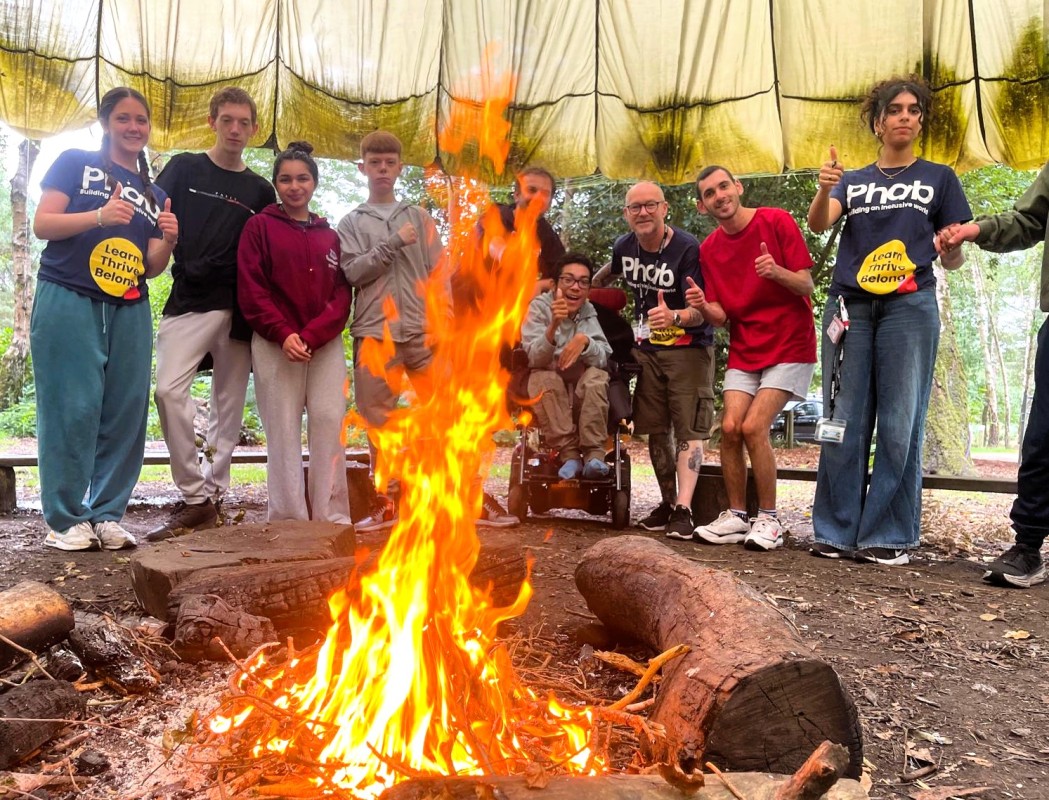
[(411, 680)]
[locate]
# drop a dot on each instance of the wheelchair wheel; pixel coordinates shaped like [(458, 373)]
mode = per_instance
[(620, 509), (517, 502), (539, 499)]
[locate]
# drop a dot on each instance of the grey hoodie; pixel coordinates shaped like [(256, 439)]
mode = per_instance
[(378, 264), (542, 354)]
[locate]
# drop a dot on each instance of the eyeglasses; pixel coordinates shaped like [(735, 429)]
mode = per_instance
[(635, 208), (572, 280)]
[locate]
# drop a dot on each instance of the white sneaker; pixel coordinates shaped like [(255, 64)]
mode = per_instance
[(726, 529), (766, 533), (113, 536), (79, 537)]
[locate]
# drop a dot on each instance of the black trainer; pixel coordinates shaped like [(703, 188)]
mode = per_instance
[(657, 519), (680, 526), (1021, 565), (824, 550), (883, 555)]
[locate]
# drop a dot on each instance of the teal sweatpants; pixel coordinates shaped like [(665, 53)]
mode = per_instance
[(91, 365)]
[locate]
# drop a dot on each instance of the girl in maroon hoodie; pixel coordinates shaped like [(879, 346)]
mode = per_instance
[(296, 300)]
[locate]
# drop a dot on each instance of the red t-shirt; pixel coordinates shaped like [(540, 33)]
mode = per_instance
[(768, 324)]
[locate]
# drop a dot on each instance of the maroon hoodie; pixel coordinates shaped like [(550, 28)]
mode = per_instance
[(289, 279)]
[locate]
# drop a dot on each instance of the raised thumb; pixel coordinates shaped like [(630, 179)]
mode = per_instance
[(117, 190), (833, 154), (691, 282), (660, 299), (167, 204), (764, 249)]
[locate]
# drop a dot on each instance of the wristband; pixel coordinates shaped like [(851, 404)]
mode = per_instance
[(98, 217)]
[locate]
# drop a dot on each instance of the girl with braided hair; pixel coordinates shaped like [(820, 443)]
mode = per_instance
[(108, 229)]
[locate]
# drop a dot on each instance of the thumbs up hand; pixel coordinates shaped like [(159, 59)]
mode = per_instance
[(831, 171), (660, 316), (116, 211), (168, 224), (559, 306), (695, 296), (764, 264)]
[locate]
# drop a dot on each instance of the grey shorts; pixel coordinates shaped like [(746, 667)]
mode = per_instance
[(793, 378), (375, 399), (675, 391)]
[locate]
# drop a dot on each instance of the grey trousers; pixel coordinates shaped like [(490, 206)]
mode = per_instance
[(283, 390)]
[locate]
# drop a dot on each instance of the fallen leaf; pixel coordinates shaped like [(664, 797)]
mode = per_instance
[(933, 736), (988, 617), (1018, 634), (980, 762), (536, 777)]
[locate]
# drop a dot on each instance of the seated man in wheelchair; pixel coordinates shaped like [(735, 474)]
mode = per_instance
[(567, 357)]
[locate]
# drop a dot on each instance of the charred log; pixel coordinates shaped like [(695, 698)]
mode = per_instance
[(33, 714), (104, 650)]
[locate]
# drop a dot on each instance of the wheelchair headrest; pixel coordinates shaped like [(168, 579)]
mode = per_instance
[(611, 297)]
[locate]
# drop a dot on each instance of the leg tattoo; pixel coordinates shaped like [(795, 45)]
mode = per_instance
[(664, 464)]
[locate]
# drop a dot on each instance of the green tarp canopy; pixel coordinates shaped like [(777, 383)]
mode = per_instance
[(629, 88)]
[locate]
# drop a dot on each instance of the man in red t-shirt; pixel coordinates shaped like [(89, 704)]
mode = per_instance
[(756, 271)]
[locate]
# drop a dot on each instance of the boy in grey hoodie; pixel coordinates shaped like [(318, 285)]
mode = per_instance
[(388, 248)]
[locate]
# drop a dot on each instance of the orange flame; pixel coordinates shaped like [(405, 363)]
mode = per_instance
[(411, 679)]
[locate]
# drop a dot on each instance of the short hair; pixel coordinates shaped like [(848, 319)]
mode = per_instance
[(534, 171), (232, 95), (380, 142), (706, 172), (297, 151), (883, 93), (573, 258)]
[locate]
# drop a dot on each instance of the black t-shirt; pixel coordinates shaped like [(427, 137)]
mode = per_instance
[(648, 274), (550, 245), (212, 205)]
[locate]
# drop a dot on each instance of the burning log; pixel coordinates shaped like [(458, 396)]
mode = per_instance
[(606, 787), (294, 598), (32, 714), (102, 648), (749, 695), (204, 619), (33, 617)]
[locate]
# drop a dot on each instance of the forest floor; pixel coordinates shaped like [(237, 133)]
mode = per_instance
[(948, 673)]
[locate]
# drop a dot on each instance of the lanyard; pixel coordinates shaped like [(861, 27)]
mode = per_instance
[(839, 354), (642, 291)]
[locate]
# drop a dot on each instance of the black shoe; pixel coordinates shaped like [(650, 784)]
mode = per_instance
[(883, 555), (185, 518), (680, 526), (657, 519), (1021, 565), (827, 551)]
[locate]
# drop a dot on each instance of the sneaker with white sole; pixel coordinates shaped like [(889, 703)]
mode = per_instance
[(113, 535), (728, 528), (883, 555), (1021, 565), (766, 533), (679, 526), (493, 515), (657, 518), (79, 537), (382, 516)]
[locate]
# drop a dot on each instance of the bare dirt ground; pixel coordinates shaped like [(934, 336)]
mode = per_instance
[(948, 673)]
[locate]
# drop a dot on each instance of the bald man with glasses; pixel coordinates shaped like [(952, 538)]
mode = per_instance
[(674, 397)]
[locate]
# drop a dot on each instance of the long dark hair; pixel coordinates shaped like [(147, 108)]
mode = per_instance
[(105, 108), (883, 93)]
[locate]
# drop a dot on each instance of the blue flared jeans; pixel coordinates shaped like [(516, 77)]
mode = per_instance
[(885, 380)]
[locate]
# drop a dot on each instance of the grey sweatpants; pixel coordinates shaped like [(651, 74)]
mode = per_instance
[(283, 390)]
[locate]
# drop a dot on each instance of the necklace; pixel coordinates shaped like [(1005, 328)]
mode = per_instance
[(897, 173)]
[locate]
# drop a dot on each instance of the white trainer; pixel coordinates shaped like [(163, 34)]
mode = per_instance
[(79, 537), (726, 529), (766, 533), (113, 536)]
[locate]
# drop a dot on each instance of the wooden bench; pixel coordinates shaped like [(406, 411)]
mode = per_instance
[(9, 462), (710, 499)]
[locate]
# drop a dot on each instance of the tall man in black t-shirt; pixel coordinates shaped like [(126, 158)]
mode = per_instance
[(674, 397), (213, 194)]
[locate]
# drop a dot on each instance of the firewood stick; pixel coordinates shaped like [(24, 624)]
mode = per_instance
[(23, 651), (653, 667), (728, 784), (819, 772)]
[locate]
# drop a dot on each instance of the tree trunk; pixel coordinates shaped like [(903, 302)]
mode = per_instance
[(13, 362), (947, 441), (566, 206), (749, 694), (992, 433)]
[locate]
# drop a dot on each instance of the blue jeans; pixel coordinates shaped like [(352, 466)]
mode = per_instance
[(886, 375), (1030, 513)]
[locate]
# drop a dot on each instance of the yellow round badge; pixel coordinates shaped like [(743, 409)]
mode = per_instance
[(116, 266), (885, 269)]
